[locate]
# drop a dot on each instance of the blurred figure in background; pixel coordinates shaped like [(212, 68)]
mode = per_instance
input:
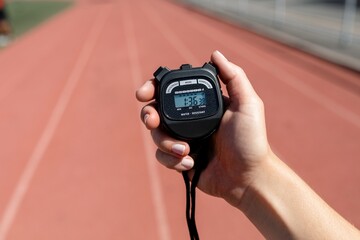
[(5, 28)]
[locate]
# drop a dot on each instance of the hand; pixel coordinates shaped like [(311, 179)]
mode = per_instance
[(240, 144)]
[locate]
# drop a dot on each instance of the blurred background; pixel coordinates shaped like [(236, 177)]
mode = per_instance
[(21, 16), (77, 163), (326, 28)]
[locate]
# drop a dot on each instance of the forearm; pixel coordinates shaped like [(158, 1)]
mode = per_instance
[(282, 206)]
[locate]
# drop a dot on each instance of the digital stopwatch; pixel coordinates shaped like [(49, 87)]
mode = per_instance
[(190, 101), (190, 105)]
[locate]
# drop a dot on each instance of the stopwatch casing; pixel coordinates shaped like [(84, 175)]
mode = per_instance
[(190, 102)]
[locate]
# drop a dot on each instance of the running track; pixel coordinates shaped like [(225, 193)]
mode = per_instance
[(75, 161)]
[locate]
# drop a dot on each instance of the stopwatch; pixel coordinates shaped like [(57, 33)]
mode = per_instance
[(190, 101)]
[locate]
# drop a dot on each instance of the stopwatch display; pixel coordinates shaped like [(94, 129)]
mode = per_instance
[(190, 99)]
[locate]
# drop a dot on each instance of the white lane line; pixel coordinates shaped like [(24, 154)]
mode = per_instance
[(162, 223), (169, 34), (49, 130)]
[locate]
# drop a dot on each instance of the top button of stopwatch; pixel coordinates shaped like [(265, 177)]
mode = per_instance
[(160, 72), (185, 66)]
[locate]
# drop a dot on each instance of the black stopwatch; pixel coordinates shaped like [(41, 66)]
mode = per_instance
[(190, 106), (190, 101)]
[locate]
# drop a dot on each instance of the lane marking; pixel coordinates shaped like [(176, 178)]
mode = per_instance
[(169, 35), (163, 227), (41, 146)]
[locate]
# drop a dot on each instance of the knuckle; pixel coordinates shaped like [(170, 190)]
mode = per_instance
[(240, 71), (161, 140), (261, 104), (155, 136)]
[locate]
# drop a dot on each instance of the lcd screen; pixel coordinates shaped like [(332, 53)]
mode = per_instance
[(190, 99)]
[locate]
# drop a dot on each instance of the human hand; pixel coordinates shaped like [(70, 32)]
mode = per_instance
[(239, 145)]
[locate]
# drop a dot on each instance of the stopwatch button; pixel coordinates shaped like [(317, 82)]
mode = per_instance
[(210, 66), (185, 67), (160, 72)]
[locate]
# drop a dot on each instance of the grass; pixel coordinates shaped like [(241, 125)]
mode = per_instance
[(25, 15)]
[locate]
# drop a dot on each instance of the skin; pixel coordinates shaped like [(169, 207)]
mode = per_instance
[(243, 169)]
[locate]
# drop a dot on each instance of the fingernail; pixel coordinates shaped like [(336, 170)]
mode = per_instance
[(219, 53), (188, 163), (146, 117), (178, 148)]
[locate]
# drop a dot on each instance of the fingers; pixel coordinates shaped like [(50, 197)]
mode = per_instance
[(147, 91), (150, 116), (169, 145), (172, 162), (235, 79), (172, 153)]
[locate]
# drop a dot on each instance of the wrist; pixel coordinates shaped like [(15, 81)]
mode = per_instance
[(244, 186), (259, 177), (264, 200)]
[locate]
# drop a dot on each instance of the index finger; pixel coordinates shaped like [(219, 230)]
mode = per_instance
[(146, 92)]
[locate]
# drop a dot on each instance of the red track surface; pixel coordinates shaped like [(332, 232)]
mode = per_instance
[(75, 161)]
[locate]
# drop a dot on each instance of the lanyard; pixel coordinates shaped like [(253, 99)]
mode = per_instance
[(201, 156)]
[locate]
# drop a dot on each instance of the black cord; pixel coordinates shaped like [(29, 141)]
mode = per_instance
[(188, 196), (193, 201), (200, 153), (190, 203)]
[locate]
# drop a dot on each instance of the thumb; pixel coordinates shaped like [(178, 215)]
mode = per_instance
[(237, 84)]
